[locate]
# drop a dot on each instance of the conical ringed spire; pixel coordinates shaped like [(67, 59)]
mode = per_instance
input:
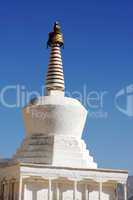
[(55, 76)]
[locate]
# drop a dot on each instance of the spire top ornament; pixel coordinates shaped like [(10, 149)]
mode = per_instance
[(55, 37)]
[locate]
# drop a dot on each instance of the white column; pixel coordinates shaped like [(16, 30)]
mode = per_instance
[(0, 188), (57, 191), (116, 192), (17, 189), (49, 189), (20, 187), (25, 191), (100, 190), (86, 192), (125, 191), (3, 190), (75, 190), (8, 190)]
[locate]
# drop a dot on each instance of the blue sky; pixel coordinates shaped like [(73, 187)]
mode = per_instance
[(98, 55)]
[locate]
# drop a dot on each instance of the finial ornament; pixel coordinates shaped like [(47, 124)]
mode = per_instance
[(55, 37)]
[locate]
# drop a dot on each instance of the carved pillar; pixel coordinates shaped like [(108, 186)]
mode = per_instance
[(75, 190), (57, 191), (100, 190), (6, 190), (13, 190), (16, 190), (20, 187), (49, 189), (116, 192), (86, 192), (2, 190), (25, 191), (125, 191), (10, 191)]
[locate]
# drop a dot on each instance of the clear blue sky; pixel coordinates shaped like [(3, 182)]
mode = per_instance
[(98, 53)]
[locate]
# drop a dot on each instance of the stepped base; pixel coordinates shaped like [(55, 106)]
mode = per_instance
[(55, 151)]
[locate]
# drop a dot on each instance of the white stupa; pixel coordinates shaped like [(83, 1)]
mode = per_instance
[(53, 163), (54, 138)]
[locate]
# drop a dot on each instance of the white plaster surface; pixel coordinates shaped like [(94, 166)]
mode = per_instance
[(54, 126)]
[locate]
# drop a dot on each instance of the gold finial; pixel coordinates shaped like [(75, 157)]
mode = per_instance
[(55, 37)]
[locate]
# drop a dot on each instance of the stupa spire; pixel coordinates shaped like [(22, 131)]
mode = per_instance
[(55, 76)]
